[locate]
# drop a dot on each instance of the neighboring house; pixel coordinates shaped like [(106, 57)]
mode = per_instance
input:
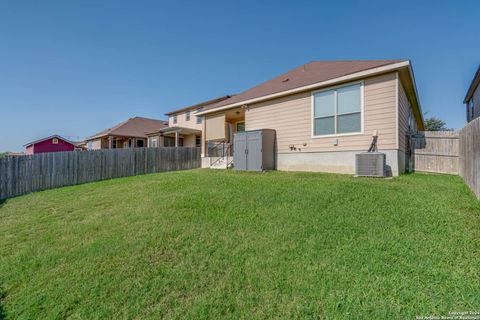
[(54, 143), (472, 99), (184, 127), (81, 145), (131, 133), (324, 113)]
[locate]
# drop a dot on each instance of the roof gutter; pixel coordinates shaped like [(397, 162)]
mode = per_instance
[(473, 86), (196, 106), (352, 76), (412, 76), (115, 136)]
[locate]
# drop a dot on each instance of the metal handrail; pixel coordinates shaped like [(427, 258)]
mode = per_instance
[(229, 148), (224, 152), (228, 153), (216, 148)]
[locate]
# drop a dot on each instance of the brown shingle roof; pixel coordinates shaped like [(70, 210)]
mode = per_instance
[(200, 105), (133, 127), (310, 73)]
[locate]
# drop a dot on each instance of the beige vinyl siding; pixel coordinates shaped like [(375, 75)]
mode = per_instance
[(96, 144), (291, 117), (100, 143), (182, 122), (404, 110), (189, 140), (152, 138)]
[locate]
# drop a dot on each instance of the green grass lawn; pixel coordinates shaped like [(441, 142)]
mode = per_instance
[(223, 244)]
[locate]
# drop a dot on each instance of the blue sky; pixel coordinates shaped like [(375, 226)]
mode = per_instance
[(78, 67)]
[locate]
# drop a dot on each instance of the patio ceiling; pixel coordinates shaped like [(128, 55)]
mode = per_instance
[(180, 130)]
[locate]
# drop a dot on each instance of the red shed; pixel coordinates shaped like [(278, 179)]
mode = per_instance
[(53, 143)]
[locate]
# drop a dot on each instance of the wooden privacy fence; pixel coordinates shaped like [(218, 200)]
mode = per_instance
[(20, 175), (453, 152), (435, 151), (469, 164)]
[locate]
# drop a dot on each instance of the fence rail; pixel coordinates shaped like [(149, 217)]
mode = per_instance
[(469, 165), (21, 175)]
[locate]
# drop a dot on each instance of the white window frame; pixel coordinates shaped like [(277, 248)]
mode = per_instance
[(199, 119), (187, 115), (362, 113), (174, 119), (154, 142)]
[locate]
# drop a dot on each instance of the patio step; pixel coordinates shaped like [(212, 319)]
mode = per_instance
[(220, 164)]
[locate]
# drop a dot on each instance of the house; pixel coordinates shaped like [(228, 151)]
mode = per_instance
[(14, 154), (81, 145), (472, 99), (184, 128), (324, 113), (128, 134), (54, 143)]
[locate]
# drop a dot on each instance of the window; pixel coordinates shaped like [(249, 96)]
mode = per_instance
[(472, 108), (114, 144), (54, 141), (187, 116), (89, 145), (240, 126), (154, 142), (469, 113), (170, 142), (174, 119), (199, 118), (337, 111), (198, 141), (139, 143)]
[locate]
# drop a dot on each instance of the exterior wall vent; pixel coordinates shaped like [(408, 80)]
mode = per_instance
[(370, 164)]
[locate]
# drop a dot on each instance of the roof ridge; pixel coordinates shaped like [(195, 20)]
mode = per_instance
[(49, 137), (139, 117), (201, 104), (121, 124)]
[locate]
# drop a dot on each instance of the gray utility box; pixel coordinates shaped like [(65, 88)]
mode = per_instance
[(370, 164), (254, 150)]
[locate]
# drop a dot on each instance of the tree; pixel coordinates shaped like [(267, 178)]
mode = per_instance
[(435, 124)]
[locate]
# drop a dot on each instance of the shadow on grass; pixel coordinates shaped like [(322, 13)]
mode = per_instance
[(2, 202), (3, 313)]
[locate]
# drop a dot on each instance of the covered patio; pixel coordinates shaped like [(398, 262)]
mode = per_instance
[(218, 136), (220, 127), (175, 137)]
